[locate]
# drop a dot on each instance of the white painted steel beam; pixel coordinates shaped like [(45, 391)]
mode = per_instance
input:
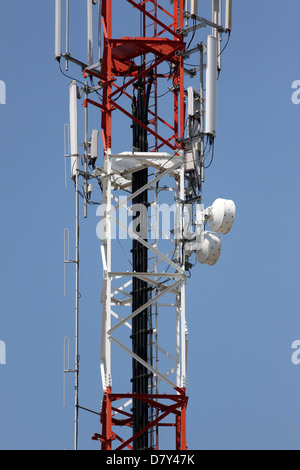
[(144, 307), (144, 363)]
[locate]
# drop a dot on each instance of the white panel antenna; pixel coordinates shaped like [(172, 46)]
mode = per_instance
[(228, 17), (73, 128), (194, 7), (94, 146), (57, 29), (90, 32), (211, 86), (193, 102)]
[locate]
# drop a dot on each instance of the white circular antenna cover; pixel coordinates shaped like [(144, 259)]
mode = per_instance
[(223, 216), (211, 249)]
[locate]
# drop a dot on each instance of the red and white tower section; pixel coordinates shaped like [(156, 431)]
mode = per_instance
[(145, 81)]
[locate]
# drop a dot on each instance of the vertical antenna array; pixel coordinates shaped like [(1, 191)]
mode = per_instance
[(143, 78)]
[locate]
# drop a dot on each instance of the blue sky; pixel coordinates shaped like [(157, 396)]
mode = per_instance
[(243, 314)]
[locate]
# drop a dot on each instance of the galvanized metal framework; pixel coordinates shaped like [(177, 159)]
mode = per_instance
[(177, 162)]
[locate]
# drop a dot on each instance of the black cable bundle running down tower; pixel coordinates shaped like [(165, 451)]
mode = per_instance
[(140, 292)]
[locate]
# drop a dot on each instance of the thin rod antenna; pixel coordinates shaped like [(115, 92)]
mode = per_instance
[(66, 254), (76, 307), (66, 365), (85, 149)]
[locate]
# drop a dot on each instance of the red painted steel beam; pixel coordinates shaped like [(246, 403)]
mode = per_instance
[(142, 125), (94, 103), (155, 404), (107, 420), (121, 440), (150, 112), (154, 2), (156, 20), (146, 71), (154, 396), (129, 415), (149, 426), (115, 105)]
